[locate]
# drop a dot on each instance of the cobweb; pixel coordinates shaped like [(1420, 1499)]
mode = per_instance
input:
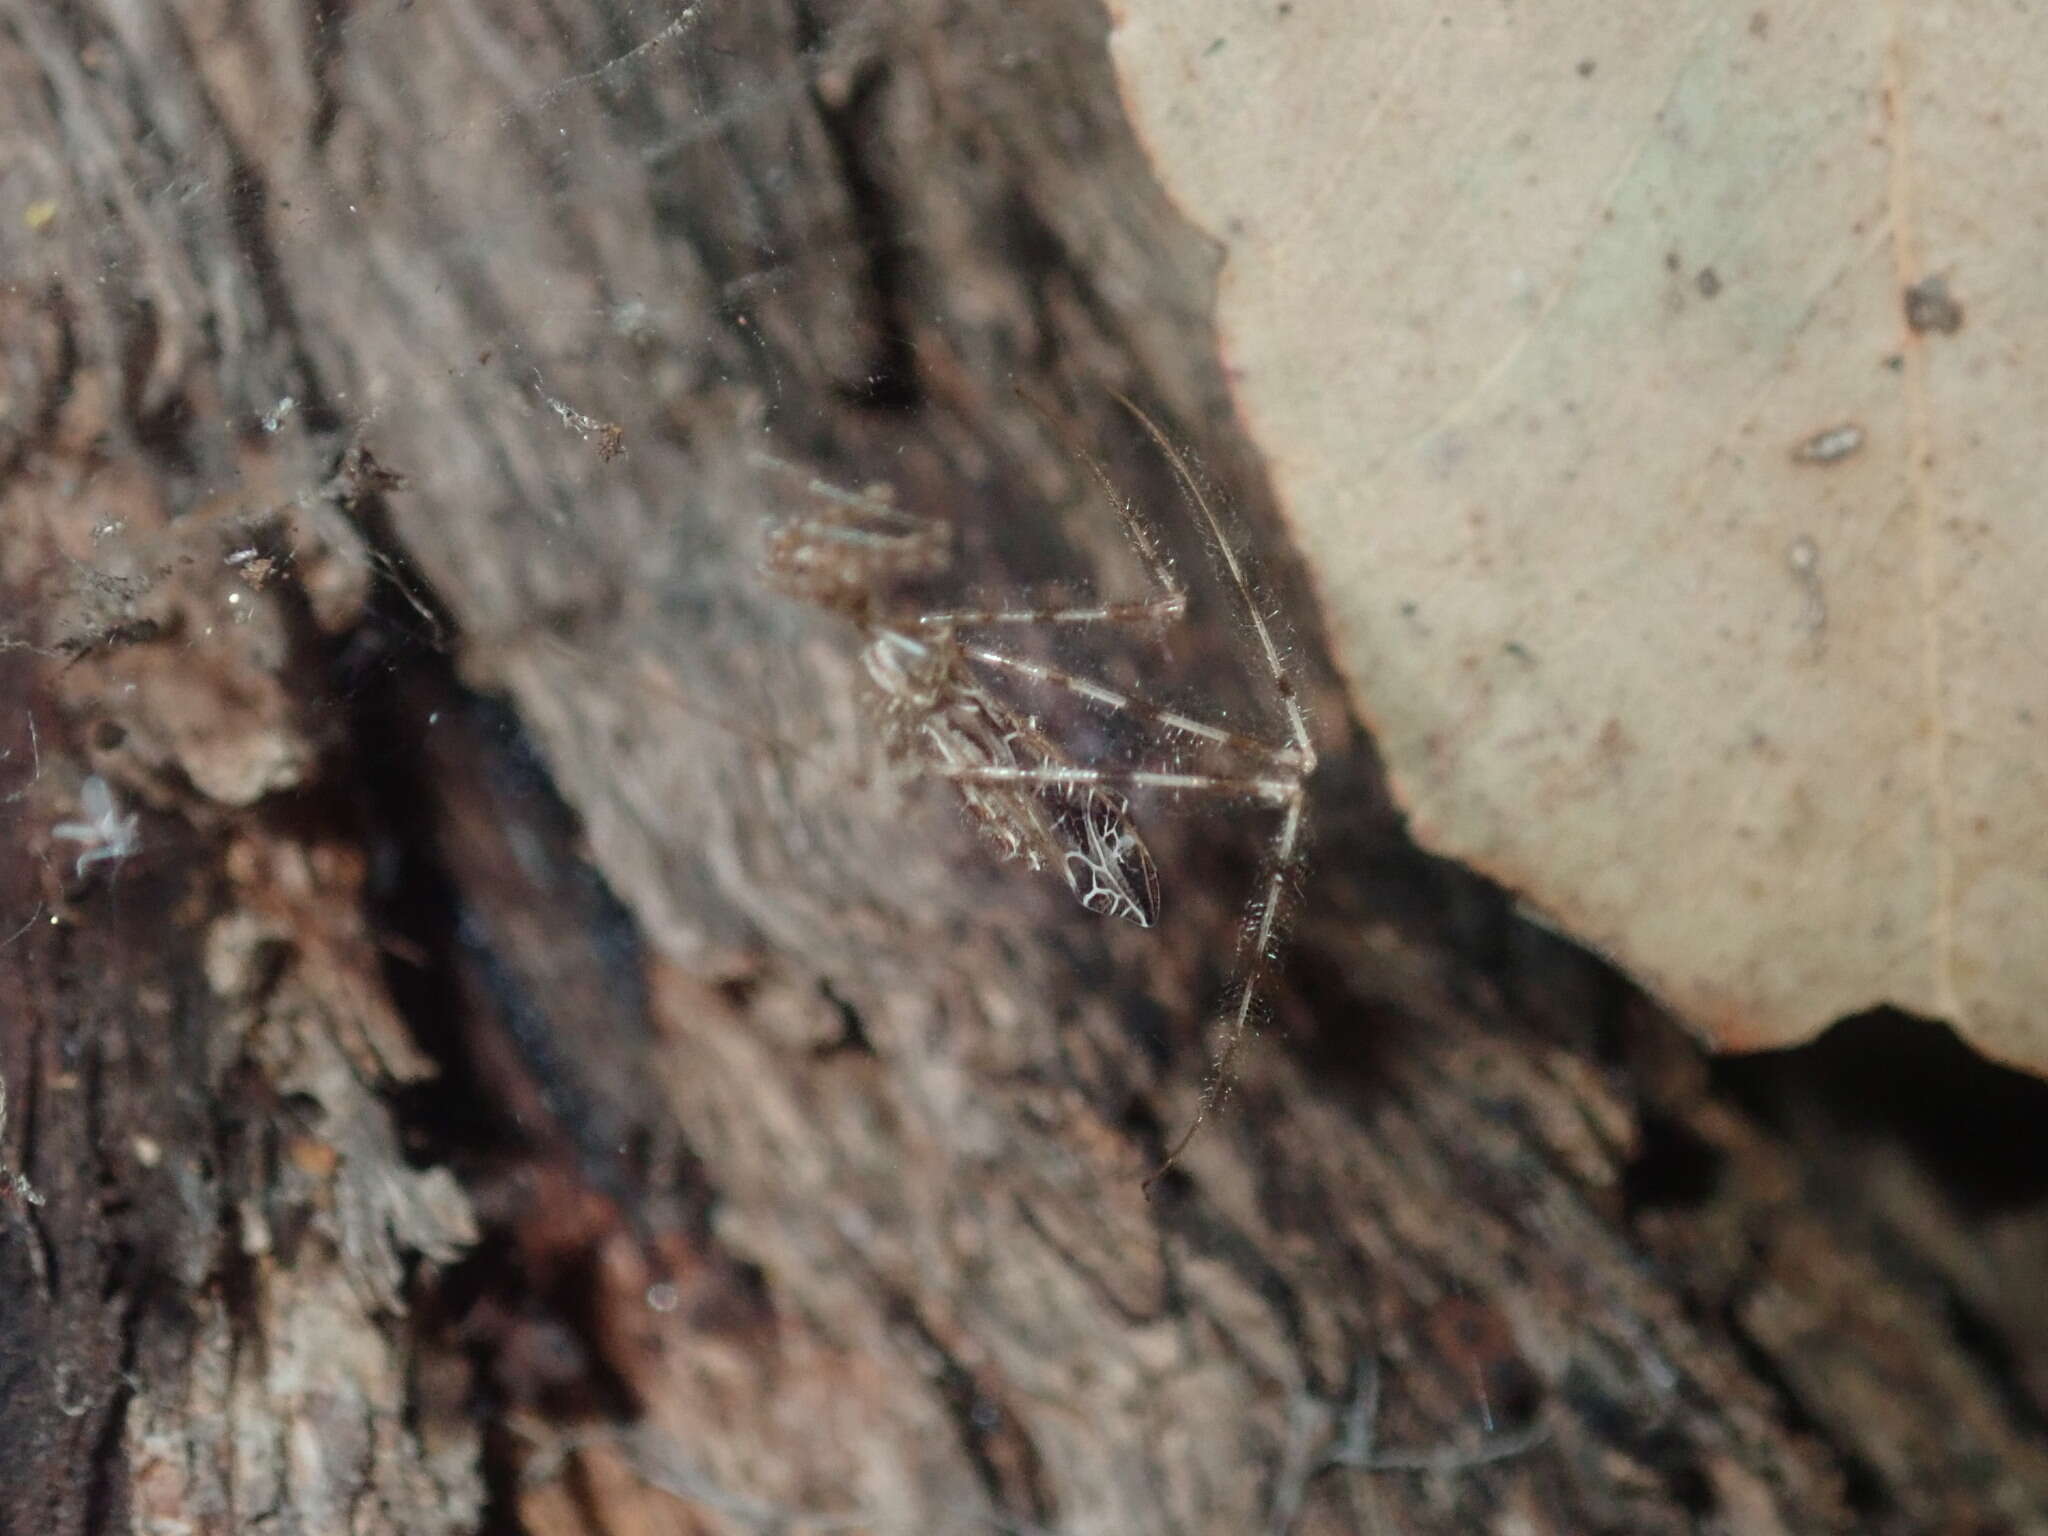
[(480, 318), (387, 393)]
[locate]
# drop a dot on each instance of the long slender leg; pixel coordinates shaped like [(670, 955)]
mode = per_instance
[(1166, 608), (858, 522), (1167, 605), (1126, 508), (841, 506), (843, 537), (1123, 703), (1260, 945), (1263, 918), (1276, 787)]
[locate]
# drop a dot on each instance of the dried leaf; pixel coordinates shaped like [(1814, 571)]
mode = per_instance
[(1651, 394)]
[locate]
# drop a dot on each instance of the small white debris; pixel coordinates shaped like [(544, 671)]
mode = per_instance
[(105, 834), (1803, 559), (1831, 446), (630, 317), (279, 413)]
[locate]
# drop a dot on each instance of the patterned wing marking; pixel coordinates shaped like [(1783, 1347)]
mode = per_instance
[(1107, 865)]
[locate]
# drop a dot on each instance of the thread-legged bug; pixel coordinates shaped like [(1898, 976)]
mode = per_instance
[(1032, 798)]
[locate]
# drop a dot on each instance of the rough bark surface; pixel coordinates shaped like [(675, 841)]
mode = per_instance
[(530, 1066)]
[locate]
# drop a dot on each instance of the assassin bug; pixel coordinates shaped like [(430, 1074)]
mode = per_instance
[(1033, 798)]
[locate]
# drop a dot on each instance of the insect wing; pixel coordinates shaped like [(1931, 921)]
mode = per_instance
[(1107, 865)]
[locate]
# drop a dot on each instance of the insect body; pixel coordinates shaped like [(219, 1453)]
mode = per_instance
[(855, 553), (938, 714)]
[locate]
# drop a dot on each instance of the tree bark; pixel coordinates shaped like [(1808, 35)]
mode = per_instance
[(532, 1065)]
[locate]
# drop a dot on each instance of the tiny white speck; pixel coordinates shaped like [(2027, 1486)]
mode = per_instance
[(104, 835), (662, 1296), (1831, 446)]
